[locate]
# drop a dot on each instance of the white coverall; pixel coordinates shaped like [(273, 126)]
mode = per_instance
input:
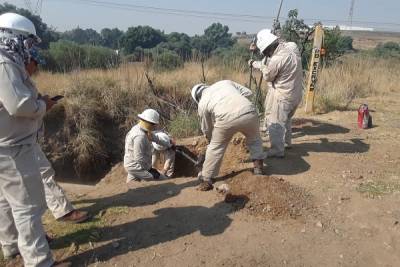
[(22, 197), (138, 153), (284, 71), (56, 199), (168, 154), (224, 110)]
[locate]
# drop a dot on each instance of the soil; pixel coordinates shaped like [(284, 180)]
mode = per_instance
[(308, 210), (270, 197)]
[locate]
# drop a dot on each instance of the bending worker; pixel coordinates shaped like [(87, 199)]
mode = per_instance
[(224, 110), (281, 66), (139, 149), (22, 197)]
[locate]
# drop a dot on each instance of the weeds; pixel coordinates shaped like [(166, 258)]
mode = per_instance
[(89, 126), (374, 189), (184, 126), (353, 77)]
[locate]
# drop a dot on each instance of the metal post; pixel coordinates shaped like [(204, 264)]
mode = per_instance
[(314, 68)]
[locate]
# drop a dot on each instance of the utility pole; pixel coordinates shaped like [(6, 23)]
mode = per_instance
[(351, 13), (314, 68), (276, 27)]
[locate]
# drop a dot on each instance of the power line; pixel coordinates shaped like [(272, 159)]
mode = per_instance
[(213, 15)]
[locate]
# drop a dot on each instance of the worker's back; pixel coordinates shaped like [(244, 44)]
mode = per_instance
[(289, 79), (226, 101)]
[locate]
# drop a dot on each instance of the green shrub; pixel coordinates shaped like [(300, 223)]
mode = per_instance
[(65, 56), (235, 57), (387, 50), (184, 125), (167, 60)]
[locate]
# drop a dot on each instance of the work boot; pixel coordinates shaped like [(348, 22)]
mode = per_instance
[(75, 216), (205, 186), (258, 167)]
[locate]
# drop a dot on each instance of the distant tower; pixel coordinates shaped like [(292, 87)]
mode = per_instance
[(351, 14)]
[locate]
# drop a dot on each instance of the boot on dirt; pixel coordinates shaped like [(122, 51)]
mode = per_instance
[(258, 167), (75, 216), (205, 186)]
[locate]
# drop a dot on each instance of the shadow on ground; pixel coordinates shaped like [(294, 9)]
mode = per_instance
[(167, 225), (294, 161), (303, 127), (141, 196)]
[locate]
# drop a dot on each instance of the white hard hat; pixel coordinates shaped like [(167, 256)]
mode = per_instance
[(150, 115), (197, 90), (264, 39), (17, 24), (163, 137)]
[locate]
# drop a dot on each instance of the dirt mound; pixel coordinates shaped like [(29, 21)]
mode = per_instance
[(269, 197)]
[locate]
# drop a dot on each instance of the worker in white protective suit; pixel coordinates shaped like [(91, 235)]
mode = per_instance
[(22, 197), (224, 110), (56, 200), (281, 67), (139, 149), (165, 152)]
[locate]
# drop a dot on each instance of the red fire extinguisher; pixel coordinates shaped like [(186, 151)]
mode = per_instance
[(364, 118)]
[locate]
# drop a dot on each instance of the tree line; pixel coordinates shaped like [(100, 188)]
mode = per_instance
[(87, 48)]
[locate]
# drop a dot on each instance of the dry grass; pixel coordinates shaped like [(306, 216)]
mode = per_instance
[(102, 105), (355, 76)]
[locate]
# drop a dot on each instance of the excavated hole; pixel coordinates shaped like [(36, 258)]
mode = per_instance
[(183, 166)]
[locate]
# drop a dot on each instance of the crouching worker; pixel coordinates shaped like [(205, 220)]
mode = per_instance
[(224, 110), (168, 153), (139, 149)]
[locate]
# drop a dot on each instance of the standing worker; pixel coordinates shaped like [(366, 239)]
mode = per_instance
[(224, 110), (56, 200), (139, 149), (281, 66), (22, 198), (167, 152)]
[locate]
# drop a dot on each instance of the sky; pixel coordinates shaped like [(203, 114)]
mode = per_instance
[(97, 14)]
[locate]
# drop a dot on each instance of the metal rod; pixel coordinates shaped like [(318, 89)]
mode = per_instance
[(187, 156), (279, 11)]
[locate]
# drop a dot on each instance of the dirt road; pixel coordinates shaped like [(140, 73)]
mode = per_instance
[(350, 179)]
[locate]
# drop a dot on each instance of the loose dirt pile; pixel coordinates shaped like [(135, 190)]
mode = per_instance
[(269, 197)]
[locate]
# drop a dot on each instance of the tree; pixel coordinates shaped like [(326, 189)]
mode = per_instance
[(180, 43), (336, 44), (218, 36), (295, 30), (141, 36), (201, 45), (215, 36), (46, 33), (111, 37), (82, 36)]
